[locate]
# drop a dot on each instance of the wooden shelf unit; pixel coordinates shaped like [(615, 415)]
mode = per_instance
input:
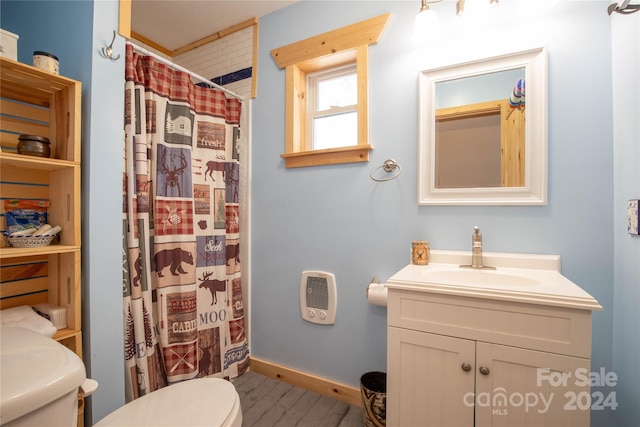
[(36, 102)]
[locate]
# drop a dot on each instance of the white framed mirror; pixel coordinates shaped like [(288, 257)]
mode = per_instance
[(483, 131)]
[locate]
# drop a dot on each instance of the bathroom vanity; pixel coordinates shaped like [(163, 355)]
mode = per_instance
[(503, 347)]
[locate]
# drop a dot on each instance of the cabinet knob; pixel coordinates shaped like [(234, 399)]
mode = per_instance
[(484, 370), (466, 367)]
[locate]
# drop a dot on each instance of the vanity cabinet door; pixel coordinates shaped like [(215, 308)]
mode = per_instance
[(430, 379), (520, 387)]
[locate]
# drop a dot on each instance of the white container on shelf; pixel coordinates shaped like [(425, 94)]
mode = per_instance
[(8, 44)]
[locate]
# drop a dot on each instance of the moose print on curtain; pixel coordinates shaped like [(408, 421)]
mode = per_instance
[(183, 308)]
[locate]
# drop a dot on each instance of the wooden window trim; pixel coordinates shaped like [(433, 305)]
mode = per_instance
[(345, 45)]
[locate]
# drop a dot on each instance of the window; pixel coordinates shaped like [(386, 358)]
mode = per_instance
[(327, 95), (332, 119)]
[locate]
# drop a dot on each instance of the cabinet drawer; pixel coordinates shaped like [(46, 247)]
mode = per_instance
[(553, 329)]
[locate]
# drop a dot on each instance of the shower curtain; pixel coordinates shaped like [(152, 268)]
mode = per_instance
[(182, 288)]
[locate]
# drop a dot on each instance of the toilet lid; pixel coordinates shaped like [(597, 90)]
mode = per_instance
[(198, 402)]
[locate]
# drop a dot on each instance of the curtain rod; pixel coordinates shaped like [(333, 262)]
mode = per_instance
[(178, 67)]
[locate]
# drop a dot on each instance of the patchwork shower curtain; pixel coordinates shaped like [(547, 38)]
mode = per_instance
[(183, 307)]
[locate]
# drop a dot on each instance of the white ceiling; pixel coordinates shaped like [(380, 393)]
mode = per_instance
[(176, 23)]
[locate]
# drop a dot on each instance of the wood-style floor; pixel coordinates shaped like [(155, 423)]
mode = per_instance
[(269, 402)]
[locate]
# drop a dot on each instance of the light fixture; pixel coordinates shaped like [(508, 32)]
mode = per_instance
[(475, 7), (426, 23)]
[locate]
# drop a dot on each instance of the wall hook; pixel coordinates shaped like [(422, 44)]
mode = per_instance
[(623, 7), (108, 51)]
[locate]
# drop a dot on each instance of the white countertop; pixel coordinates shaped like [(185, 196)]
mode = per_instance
[(527, 278)]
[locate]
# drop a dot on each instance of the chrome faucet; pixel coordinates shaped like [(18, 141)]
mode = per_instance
[(476, 248), (476, 251)]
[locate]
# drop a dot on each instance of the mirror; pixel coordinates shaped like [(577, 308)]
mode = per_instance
[(483, 131)]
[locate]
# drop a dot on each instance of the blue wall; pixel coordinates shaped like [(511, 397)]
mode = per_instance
[(336, 218), (102, 216), (75, 31), (626, 317), (34, 22)]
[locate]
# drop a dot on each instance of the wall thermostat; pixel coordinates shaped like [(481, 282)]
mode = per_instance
[(318, 297)]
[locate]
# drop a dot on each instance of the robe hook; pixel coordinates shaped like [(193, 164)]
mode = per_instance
[(108, 51)]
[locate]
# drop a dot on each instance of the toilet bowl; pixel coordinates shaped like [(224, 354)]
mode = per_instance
[(197, 402), (40, 380)]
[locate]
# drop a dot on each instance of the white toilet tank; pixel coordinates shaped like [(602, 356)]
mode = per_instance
[(39, 380)]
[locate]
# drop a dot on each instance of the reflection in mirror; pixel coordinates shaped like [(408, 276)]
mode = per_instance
[(482, 141), (480, 131)]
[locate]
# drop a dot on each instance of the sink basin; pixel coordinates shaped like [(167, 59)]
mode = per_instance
[(478, 278), (526, 278)]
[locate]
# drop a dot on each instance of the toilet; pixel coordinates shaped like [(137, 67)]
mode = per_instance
[(198, 402), (41, 378)]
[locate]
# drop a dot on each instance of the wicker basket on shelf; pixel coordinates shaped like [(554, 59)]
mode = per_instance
[(30, 241)]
